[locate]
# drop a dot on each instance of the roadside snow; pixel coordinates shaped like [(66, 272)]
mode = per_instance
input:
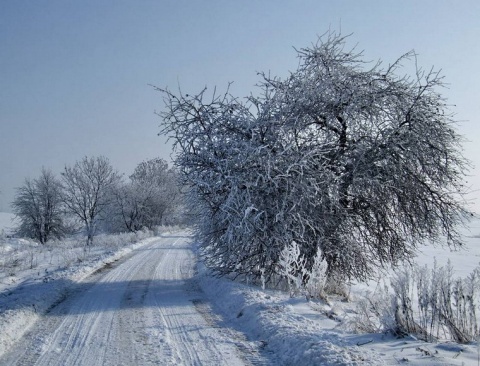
[(288, 331), (294, 331), (277, 329), (27, 292)]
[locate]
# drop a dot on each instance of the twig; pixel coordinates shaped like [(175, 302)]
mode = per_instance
[(364, 343)]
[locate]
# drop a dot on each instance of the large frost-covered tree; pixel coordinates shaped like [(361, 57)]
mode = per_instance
[(38, 204), (356, 159), (87, 190)]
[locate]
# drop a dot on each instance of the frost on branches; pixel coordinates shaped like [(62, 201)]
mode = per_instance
[(292, 267), (150, 198), (38, 204), (344, 156)]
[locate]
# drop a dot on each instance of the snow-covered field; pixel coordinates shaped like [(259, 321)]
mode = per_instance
[(185, 318)]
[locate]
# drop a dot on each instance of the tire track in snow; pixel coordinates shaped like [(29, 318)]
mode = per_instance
[(251, 351), (85, 333), (198, 342)]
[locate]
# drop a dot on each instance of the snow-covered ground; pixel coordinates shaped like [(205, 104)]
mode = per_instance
[(142, 311), (141, 303), (294, 331), (33, 277)]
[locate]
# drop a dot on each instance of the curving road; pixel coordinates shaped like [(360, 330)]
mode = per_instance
[(143, 311)]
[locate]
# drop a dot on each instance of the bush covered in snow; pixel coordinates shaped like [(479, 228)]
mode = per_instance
[(430, 304), (293, 268)]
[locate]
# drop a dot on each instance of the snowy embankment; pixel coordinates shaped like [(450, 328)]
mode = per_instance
[(294, 331), (33, 278), (289, 331)]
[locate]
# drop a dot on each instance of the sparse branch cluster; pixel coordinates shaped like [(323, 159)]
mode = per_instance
[(93, 193), (357, 161)]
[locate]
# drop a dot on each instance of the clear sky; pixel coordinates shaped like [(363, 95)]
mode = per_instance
[(74, 75)]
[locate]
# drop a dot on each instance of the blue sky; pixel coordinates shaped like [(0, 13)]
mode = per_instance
[(75, 75)]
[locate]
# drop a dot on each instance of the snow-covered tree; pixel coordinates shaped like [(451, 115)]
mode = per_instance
[(38, 204), (151, 197), (158, 186), (87, 190), (125, 211), (354, 159)]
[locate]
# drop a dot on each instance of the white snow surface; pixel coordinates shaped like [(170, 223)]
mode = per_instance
[(143, 304)]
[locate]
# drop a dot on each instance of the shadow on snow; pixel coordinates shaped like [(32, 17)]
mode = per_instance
[(91, 297)]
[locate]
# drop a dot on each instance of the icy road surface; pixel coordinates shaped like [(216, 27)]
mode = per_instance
[(144, 311)]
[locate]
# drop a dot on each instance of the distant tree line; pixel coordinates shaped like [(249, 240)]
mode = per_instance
[(92, 195)]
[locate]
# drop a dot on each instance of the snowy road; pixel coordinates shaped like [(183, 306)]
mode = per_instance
[(143, 311)]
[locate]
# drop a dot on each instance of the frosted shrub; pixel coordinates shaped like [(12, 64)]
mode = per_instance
[(458, 307), (317, 277), (32, 259), (11, 261), (374, 312), (70, 251), (403, 285), (430, 304), (293, 267), (143, 234), (115, 241)]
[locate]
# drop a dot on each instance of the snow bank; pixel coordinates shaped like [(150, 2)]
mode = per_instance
[(284, 335), (294, 331)]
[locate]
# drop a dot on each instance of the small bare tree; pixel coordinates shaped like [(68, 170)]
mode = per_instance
[(38, 204), (87, 186)]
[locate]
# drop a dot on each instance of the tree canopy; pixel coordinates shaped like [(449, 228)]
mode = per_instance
[(353, 158)]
